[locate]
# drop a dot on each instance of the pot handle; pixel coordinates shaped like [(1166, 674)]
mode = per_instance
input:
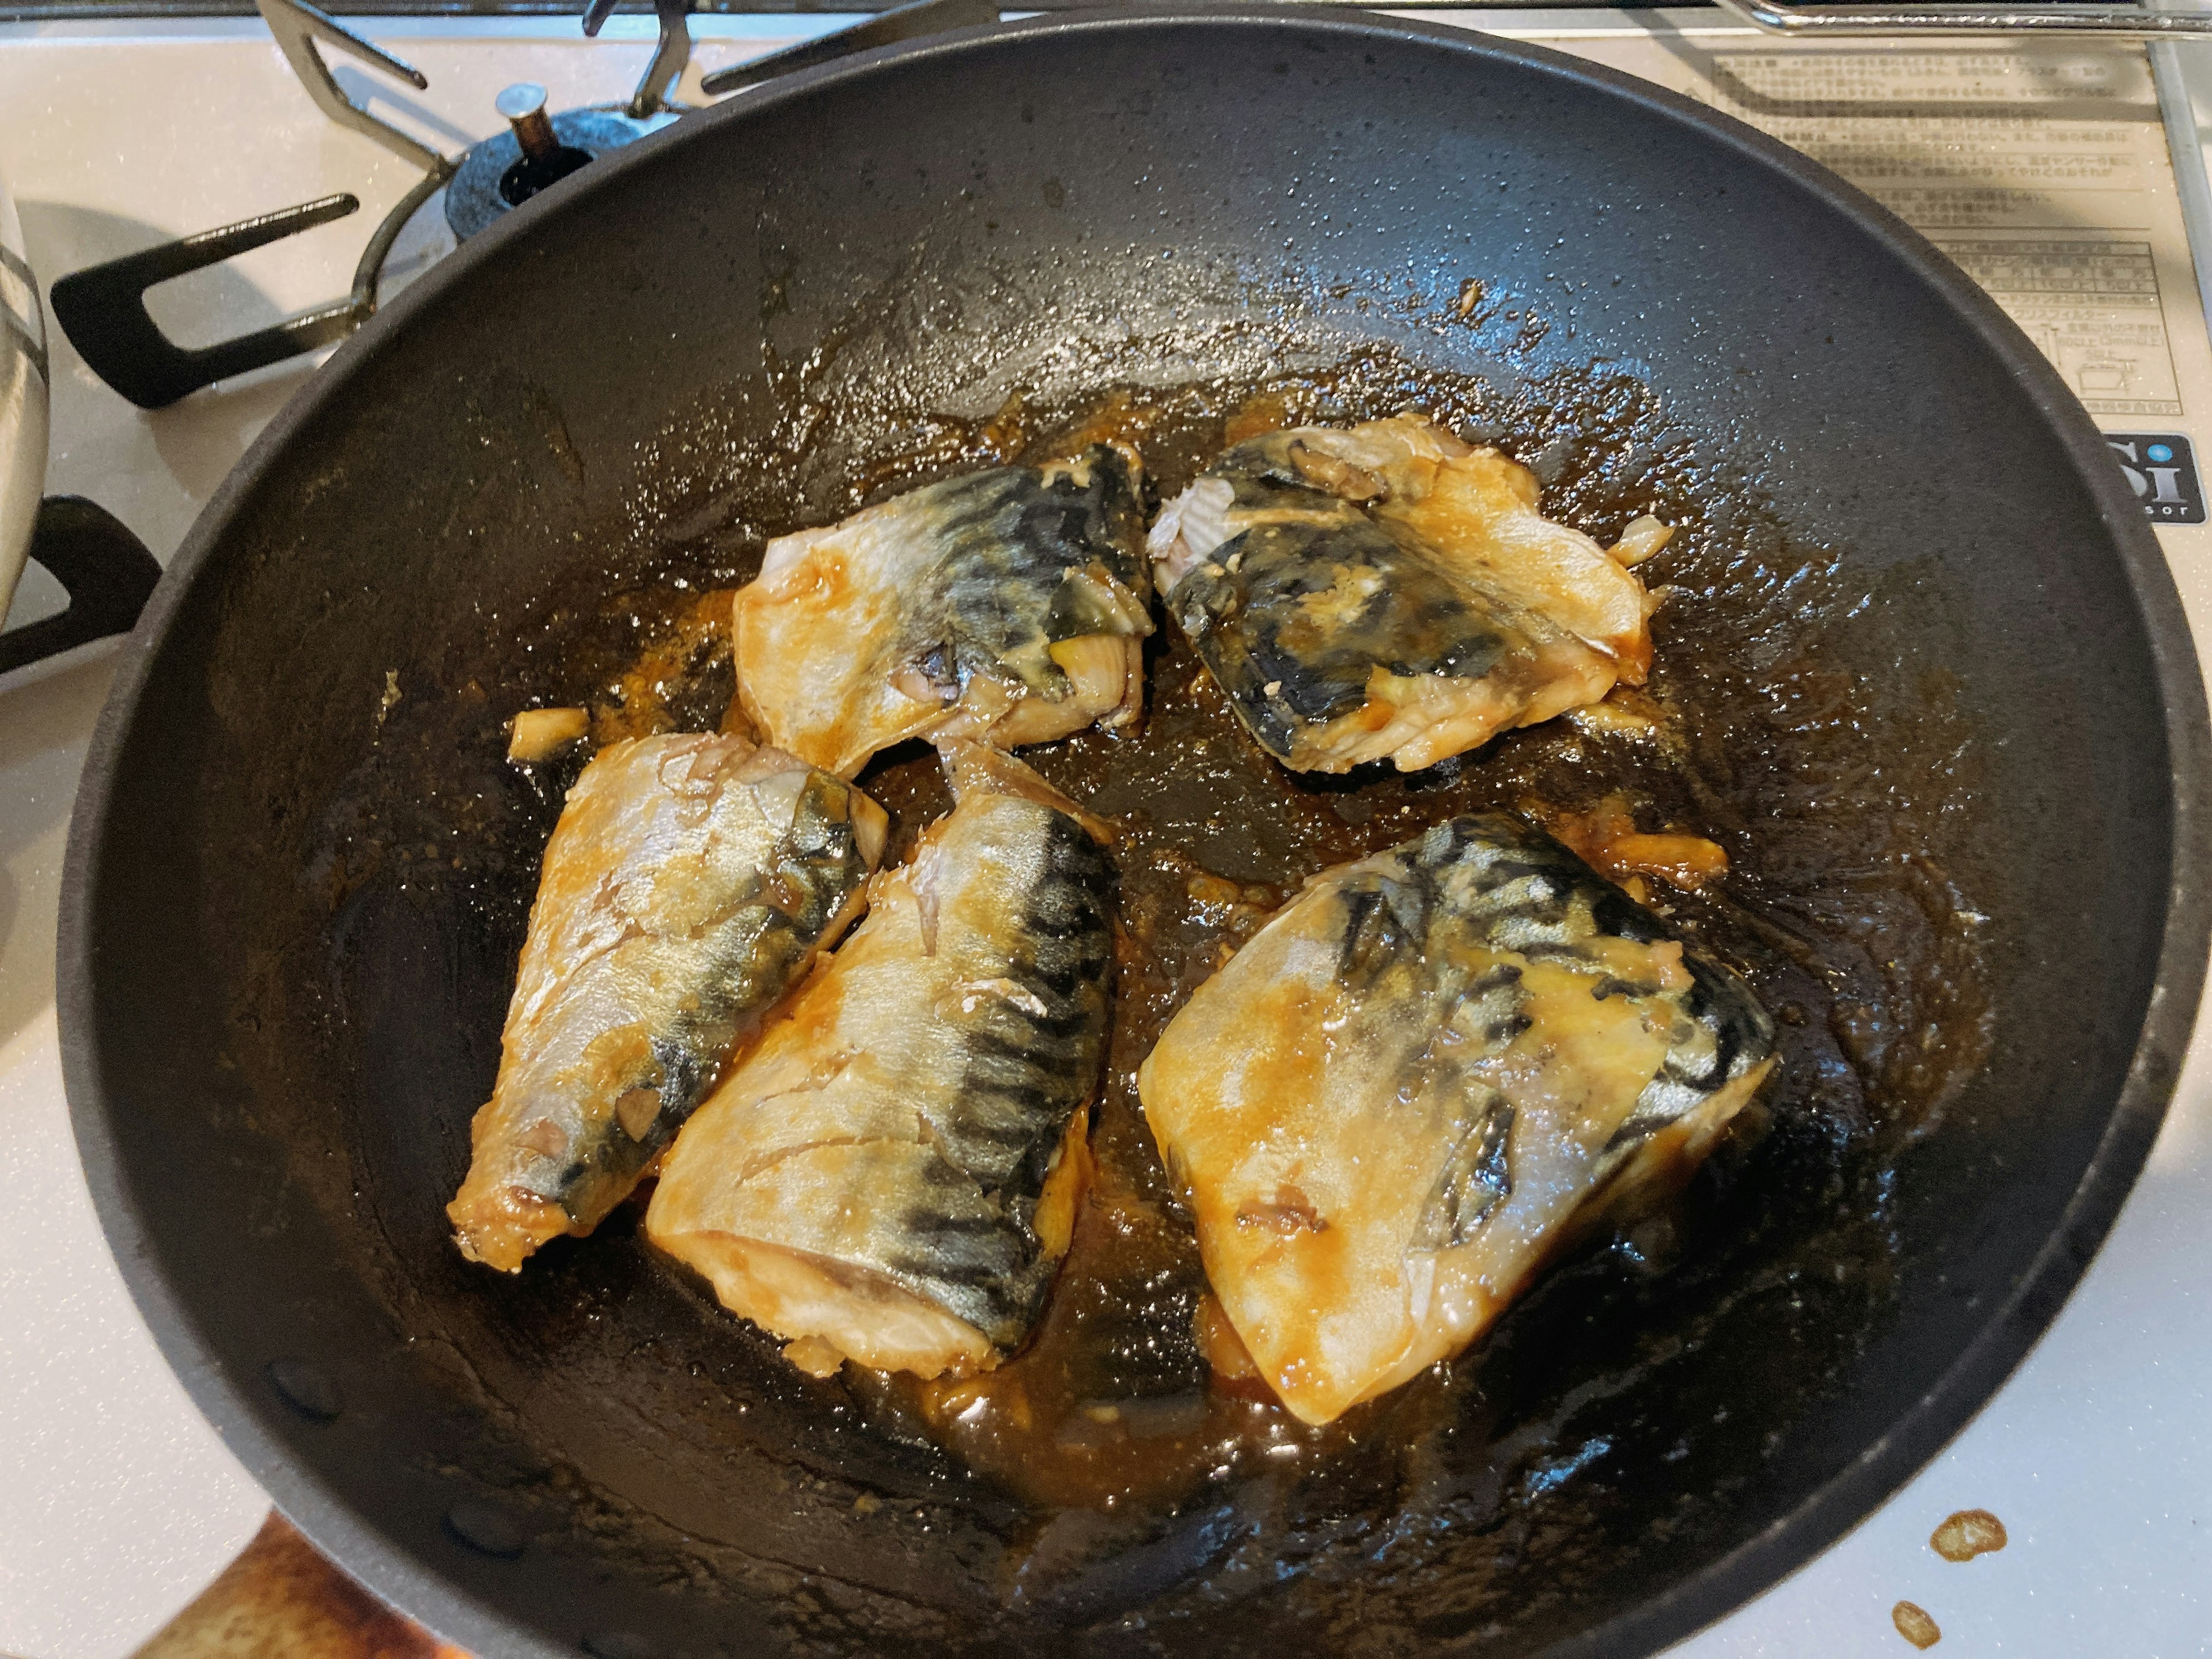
[(106, 570)]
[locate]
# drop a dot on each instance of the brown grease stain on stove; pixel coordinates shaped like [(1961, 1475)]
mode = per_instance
[(1914, 1624), (1967, 1533), (1835, 795)]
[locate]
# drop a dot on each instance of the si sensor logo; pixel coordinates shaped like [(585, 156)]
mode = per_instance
[(2161, 468)]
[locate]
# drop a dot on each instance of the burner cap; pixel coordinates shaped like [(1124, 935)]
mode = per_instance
[(474, 197)]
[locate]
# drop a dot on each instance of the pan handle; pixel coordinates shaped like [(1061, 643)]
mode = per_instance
[(107, 572)]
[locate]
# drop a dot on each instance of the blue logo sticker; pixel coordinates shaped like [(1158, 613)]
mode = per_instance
[(2161, 469)]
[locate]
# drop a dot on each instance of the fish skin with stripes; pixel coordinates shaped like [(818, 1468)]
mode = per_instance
[(1387, 591), (891, 1176), (688, 887), (1434, 1070), (1008, 607)]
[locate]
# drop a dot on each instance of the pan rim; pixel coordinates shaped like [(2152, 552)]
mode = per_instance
[(2008, 1332)]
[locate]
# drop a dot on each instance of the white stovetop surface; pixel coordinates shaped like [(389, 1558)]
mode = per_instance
[(118, 1503)]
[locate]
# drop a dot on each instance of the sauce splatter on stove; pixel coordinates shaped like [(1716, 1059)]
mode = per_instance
[(1914, 1624), (1967, 1533)]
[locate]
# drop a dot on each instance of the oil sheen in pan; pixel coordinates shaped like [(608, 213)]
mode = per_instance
[(1099, 1457)]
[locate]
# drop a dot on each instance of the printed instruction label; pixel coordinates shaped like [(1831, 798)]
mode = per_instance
[(2094, 308), (2039, 170)]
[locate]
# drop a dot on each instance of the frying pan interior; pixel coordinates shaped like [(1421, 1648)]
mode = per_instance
[(300, 863)]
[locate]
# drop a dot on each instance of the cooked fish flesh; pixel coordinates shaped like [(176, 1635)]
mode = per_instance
[(891, 1176), (1385, 590), (689, 885), (1009, 606), (1428, 1072)]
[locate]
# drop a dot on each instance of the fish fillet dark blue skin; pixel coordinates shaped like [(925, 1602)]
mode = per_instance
[(688, 887), (1008, 607), (891, 1176), (1429, 1070), (1385, 591)]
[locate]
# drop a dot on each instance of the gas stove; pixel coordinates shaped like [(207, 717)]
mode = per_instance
[(2068, 177)]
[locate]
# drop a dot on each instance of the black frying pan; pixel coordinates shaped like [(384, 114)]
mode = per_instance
[(297, 868)]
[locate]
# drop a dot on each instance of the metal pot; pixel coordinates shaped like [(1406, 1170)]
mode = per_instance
[(105, 569), (23, 399)]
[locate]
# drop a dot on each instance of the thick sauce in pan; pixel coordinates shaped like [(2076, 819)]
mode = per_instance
[(1107, 1466), (1113, 1405)]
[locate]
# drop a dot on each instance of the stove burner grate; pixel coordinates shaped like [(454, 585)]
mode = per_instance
[(102, 309)]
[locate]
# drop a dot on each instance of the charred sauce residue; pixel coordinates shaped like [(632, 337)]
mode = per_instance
[(1147, 1476)]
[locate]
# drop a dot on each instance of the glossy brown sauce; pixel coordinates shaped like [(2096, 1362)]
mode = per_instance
[(1841, 916), (1615, 1422)]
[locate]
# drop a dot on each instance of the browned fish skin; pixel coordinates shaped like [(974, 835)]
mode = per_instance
[(884, 1177), (1384, 591), (1007, 605), (1419, 1080), (690, 883)]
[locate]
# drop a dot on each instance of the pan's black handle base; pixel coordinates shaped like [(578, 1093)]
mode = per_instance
[(106, 570), (905, 22), (102, 309)]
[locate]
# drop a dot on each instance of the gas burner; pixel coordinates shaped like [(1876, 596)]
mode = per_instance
[(538, 150), (103, 311), (497, 175)]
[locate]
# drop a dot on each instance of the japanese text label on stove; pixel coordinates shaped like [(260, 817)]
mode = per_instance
[(2040, 169)]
